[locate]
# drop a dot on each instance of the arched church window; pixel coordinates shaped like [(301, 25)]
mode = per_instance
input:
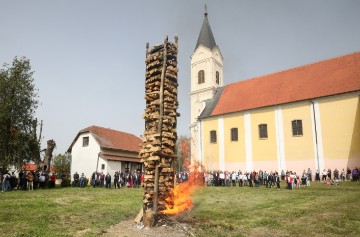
[(217, 77), (201, 77)]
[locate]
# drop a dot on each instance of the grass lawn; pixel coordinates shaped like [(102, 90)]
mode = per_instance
[(218, 211)]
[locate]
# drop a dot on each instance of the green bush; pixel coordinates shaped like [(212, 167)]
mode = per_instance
[(66, 182)]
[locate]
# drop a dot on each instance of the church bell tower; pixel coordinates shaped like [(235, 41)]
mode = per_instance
[(206, 77)]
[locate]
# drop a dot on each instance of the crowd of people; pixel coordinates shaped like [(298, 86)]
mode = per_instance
[(120, 179), (30, 180), (271, 179), (27, 180)]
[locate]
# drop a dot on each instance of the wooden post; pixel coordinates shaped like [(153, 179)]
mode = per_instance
[(156, 187)]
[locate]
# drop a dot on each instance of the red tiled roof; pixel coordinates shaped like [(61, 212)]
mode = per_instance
[(33, 167), (330, 77), (120, 158), (29, 167), (112, 139)]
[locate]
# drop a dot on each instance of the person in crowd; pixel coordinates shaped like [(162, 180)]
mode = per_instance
[(227, 178), (36, 180), (297, 181), (348, 174), (42, 181), (24, 181), (256, 179), (266, 178), (245, 179), (76, 179), (102, 180), (138, 178), (222, 178), (282, 175), (116, 180), (82, 180), (178, 177), (270, 179), (309, 174), (355, 174), (6, 182), (53, 180), (240, 178), (121, 179), (108, 181), (261, 177), (30, 181), (324, 175), (303, 173), (289, 181), (142, 179), (317, 176), (303, 179), (343, 175), (93, 179), (127, 180), (20, 183), (329, 173), (277, 180), (336, 174)]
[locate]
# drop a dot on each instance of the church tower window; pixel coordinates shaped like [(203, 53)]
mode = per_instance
[(201, 77), (217, 77), (213, 136)]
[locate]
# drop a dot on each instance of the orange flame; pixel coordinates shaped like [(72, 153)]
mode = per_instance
[(179, 198)]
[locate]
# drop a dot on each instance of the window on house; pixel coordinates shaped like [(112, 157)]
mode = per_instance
[(217, 77), (201, 77), (234, 134), (297, 128), (213, 136), (263, 133), (85, 141), (102, 166)]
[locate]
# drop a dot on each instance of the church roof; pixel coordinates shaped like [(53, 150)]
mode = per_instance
[(112, 139), (206, 37), (329, 77)]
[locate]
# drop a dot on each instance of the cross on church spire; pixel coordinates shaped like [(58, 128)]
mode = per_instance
[(206, 37)]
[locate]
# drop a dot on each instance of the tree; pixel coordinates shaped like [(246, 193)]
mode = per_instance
[(183, 153), (18, 102), (62, 164)]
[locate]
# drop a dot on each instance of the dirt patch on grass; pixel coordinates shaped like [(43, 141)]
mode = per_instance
[(61, 201), (82, 232), (129, 229)]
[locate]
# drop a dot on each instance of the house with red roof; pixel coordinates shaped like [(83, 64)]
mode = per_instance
[(300, 118), (98, 149)]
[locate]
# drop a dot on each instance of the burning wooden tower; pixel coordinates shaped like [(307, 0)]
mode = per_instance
[(159, 138)]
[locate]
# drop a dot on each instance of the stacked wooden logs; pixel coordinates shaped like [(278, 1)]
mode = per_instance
[(159, 139)]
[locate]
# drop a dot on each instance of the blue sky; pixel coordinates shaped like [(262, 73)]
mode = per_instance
[(88, 56)]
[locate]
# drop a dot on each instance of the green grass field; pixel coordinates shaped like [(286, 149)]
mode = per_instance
[(218, 211)]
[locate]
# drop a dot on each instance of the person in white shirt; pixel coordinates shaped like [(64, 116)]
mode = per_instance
[(324, 175)]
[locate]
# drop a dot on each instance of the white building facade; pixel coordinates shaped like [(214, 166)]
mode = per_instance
[(97, 149)]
